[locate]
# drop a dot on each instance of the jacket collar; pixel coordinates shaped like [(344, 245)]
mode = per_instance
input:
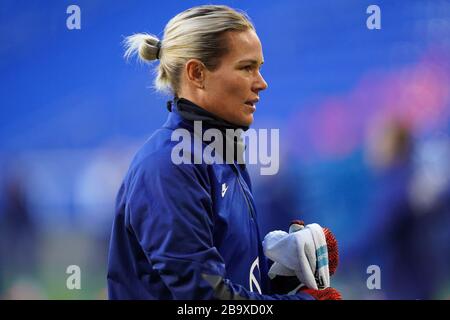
[(183, 113)]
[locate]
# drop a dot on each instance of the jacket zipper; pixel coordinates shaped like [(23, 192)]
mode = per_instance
[(245, 194)]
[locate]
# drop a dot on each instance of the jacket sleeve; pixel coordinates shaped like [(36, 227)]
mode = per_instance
[(170, 211)]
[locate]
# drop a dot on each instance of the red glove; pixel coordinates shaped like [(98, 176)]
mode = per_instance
[(333, 250), (324, 294)]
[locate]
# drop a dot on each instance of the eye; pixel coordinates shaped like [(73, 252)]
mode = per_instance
[(248, 68)]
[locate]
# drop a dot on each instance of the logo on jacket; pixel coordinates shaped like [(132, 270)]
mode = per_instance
[(224, 189), (253, 281)]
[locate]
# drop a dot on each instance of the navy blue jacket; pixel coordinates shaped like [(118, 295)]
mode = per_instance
[(186, 231)]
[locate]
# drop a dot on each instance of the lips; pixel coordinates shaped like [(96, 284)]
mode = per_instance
[(252, 103)]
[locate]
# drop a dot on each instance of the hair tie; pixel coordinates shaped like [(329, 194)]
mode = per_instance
[(158, 46), (169, 105)]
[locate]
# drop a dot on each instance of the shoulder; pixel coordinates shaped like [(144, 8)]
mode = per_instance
[(157, 162)]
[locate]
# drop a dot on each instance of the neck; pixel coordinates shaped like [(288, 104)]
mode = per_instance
[(192, 111)]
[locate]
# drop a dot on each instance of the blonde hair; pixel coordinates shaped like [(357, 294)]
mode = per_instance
[(196, 33)]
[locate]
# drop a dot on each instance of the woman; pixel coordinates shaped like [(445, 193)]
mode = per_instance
[(189, 230)]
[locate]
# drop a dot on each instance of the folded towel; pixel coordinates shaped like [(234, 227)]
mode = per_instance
[(301, 252)]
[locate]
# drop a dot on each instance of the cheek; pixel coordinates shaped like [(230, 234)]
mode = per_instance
[(235, 87)]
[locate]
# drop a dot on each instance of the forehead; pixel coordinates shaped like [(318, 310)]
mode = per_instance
[(244, 45)]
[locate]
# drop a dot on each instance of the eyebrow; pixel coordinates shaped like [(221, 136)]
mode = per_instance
[(254, 62)]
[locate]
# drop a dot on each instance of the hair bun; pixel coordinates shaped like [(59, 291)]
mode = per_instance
[(144, 44)]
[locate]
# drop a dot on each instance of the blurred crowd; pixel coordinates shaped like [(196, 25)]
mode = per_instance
[(403, 226)]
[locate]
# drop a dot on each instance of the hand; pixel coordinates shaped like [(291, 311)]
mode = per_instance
[(332, 245), (333, 261)]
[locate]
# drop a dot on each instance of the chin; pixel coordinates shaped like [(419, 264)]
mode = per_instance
[(247, 121), (243, 120)]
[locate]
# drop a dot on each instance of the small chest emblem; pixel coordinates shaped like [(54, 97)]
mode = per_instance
[(224, 189)]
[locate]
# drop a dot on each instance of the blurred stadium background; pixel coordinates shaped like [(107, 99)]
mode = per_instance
[(364, 119)]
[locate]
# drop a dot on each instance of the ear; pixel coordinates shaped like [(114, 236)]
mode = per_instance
[(195, 71)]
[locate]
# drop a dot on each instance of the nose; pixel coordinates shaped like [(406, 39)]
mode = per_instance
[(260, 84)]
